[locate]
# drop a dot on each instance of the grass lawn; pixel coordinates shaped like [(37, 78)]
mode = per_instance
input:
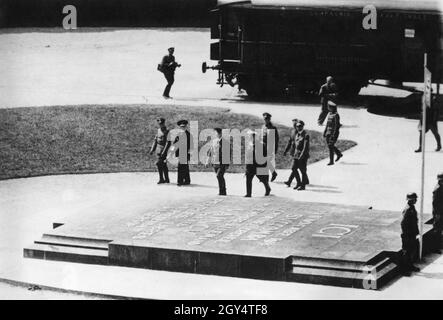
[(114, 138)]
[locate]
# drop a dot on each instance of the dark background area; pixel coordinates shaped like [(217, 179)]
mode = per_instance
[(107, 13)]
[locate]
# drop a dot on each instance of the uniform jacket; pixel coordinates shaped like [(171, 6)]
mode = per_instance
[(290, 145), (437, 201), (251, 152), (326, 93), (332, 125), (215, 152), (432, 116), (181, 135), (409, 223), (168, 64), (160, 142), (265, 129), (301, 146), (298, 145)]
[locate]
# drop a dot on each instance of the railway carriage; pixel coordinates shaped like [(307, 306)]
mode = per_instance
[(266, 46)]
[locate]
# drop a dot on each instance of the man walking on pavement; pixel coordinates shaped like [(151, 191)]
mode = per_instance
[(253, 166), (216, 155), (437, 213), (332, 131), (267, 128), (168, 66), (409, 232), (431, 123), (183, 143), (161, 146), (327, 92), (300, 152)]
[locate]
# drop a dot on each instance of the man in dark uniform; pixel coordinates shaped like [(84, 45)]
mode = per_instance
[(267, 127), (215, 156), (431, 124), (327, 92), (290, 145), (168, 66), (437, 212), (332, 131), (409, 232), (300, 154), (183, 148), (253, 167), (160, 146)]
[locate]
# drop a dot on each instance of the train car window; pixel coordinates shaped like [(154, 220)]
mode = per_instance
[(230, 25)]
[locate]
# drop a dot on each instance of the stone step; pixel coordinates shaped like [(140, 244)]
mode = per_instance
[(64, 253), (342, 278), (74, 242), (352, 266)]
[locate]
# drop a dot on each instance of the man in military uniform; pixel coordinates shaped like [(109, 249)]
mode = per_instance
[(253, 166), (168, 66), (437, 212), (327, 92), (215, 156), (332, 131), (409, 232), (160, 146), (183, 144), (299, 149), (266, 129), (431, 123)]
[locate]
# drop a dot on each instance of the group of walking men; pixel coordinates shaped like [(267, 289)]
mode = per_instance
[(298, 147)]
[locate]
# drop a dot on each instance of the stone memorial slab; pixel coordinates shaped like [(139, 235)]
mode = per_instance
[(269, 238)]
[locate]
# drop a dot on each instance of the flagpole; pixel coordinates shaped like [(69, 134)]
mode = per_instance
[(423, 149)]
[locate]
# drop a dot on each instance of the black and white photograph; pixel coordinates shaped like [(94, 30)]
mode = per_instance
[(221, 150)]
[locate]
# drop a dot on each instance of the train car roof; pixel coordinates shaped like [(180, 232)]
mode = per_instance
[(407, 5)]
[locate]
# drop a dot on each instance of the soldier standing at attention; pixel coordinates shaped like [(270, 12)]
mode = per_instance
[(332, 132), (253, 168), (300, 153), (161, 146), (168, 66), (215, 156), (327, 92), (409, 232), (431, 123), (183, 143), (437, 212), (273, 144)]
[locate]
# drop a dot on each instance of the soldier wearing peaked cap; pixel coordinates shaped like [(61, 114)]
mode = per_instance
[(269, 130), (167, 67), (183, 142), (218, 155), (409, 232), (160, 146), (298, 145), (437, 213), (290, 145), (332, 131)]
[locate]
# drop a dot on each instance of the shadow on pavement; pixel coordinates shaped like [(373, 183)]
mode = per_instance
[(353, 163), (321, 186), (438, 275), (408, 107), (322, 190)]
